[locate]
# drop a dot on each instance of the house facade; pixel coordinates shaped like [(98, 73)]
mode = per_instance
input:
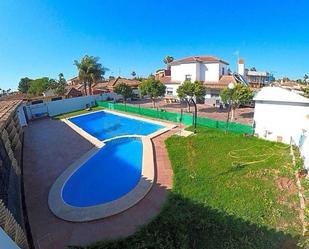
[(255, 78), (108, 86), (282, 115), (210, 70)]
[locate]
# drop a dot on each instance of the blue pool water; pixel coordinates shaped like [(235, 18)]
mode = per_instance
[(111, 173), (104, 125)]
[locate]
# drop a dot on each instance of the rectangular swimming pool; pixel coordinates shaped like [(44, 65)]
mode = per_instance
[(104, 125)]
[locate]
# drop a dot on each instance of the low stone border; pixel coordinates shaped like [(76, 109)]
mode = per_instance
[(300, 194), (81, 214)]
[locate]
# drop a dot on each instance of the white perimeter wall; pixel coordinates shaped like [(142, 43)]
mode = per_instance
[(53, 108), (274, 119)]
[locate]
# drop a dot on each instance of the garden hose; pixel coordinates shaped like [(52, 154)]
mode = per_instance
[(240, 159)]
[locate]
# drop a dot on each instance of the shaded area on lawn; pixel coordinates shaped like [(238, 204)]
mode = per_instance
[(184, 223)]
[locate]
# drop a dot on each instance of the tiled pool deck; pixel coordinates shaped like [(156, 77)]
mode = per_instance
[(50, 146)]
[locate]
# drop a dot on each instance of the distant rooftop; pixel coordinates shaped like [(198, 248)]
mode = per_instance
[(257, 73), (210, 59)]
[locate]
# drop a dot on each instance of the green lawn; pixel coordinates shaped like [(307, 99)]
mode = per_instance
[(229, 191), (71, 114)]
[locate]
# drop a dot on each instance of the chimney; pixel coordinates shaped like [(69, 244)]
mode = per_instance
[(241, 67)]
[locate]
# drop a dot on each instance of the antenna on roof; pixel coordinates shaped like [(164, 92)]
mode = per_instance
[(237, 56)]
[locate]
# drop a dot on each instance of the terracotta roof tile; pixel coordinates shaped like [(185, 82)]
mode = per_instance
[(198, 59), (112, 83), (167, 80), (222, 83)]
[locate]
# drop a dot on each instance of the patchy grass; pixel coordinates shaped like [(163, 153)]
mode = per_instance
[(71, 114), (229, 191)]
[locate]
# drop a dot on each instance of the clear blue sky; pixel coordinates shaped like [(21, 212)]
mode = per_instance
[(43, 37)]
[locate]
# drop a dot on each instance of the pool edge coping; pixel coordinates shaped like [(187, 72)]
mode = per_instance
[(98, 143), (82, 214)]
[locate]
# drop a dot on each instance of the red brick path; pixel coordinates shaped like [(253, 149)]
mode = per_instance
[(51, 146)]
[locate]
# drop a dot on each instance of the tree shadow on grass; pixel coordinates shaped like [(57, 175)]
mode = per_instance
[(234, 168), (184, 223)]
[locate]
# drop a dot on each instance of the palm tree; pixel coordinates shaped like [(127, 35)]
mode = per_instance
[(306, 77), (168, 59), (89, 71)]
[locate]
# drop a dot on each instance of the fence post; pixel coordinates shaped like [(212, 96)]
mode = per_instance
[(181, 115)]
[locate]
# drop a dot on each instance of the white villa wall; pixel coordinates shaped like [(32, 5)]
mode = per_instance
[(222, 66), (179, 72), (172, 87), (202, 70), (198, 71), (212, 72)]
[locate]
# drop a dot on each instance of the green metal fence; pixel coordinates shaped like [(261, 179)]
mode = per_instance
[(177, 117)]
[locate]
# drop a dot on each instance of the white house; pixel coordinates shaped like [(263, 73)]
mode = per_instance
[(208, 69), (282, 115)]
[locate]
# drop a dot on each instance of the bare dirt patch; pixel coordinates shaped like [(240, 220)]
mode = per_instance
[(286, 184)]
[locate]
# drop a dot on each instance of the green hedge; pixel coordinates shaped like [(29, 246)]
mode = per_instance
[(177, 117)]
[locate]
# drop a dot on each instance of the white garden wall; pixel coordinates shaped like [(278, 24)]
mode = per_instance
[(53, 108)]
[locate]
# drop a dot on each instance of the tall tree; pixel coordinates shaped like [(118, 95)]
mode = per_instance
[(306, 78), (240, 94), (38, 86), (89, 71), (24, 84), (58, 85), (133, 74), (124, 90), (185, 92), (168, 59), (152, 88), (191, 92)]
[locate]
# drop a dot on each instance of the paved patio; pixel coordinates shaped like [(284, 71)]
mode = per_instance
[(49, 147), (243, 115)]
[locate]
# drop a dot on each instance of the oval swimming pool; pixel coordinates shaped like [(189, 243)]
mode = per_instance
[(108, 175)]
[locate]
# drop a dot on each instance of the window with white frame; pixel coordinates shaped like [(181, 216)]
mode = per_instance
[(169, 91), (188, 77)]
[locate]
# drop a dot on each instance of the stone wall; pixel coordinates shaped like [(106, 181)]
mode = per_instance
[(11, 204)]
